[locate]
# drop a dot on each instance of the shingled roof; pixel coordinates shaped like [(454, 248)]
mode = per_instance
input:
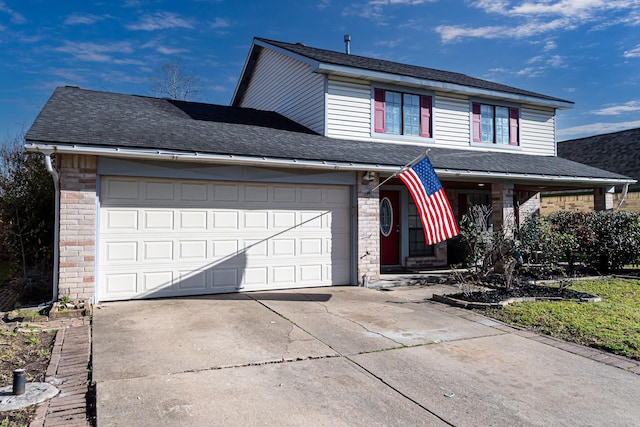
[(86, 118), (617, 152), (372, 64)]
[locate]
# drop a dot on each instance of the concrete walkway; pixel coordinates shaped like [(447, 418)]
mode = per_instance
[(342, 356)]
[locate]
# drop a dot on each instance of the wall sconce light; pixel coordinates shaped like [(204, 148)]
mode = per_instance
[(369, 176)]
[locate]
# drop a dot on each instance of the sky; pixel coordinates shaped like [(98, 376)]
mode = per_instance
[(585, 51)]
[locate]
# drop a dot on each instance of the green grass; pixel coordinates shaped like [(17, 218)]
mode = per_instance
[(612, 325)]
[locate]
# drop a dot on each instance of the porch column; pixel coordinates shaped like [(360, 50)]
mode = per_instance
[(503, 213), (528, 205), (368, 230), (603, 198)]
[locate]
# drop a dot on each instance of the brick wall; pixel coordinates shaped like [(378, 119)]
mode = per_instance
[(77, 225), (584, 202), (368, 230)]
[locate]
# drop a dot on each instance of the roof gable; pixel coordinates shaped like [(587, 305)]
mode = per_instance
[(355, 62), (617, 152)]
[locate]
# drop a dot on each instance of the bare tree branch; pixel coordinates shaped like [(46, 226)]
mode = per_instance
[(175, 83)]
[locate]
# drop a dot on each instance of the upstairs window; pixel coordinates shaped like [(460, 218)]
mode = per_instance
[(400, 113), (494, 124)]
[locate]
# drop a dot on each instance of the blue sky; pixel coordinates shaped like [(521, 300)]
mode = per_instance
[(586, 51)]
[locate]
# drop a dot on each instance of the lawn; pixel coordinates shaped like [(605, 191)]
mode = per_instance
[(612, 325)]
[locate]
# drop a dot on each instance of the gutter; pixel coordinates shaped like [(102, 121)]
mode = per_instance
[(56, 226), (150, 154)]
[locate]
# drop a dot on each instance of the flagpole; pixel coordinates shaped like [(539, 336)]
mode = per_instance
[(404, 168)]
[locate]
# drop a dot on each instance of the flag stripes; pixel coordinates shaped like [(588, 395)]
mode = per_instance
[(433, 206)]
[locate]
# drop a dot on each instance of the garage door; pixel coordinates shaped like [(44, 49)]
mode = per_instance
[(161, 238)]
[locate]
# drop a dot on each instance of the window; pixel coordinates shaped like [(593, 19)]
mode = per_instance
[(495, 124), (402, 113), (417, 245)]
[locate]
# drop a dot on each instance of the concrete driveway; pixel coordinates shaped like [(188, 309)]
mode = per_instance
[(339, 356)]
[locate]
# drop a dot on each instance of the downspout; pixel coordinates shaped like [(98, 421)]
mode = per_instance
[(56, 226), (625, 190)]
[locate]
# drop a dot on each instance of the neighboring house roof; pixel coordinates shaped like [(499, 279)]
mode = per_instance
[(322, 56), (111, 123), (617, 152)]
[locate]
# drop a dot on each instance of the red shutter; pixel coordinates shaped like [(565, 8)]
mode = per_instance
[(379, 111), (425, 116), (514, 118), (477, 123)]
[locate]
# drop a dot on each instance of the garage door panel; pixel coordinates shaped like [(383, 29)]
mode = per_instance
[(158, 191), (256, 193), (255, 220), (193, 220), (157, 281), (162, 220), (190, 280), (225, 193), (193, 192), (220, 237), (192, 249), (122, 251), (122, 189), (158, 251), (121, 220), (225, 220)]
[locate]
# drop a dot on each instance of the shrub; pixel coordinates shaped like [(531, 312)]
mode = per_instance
[(27, 214), (603, 240)]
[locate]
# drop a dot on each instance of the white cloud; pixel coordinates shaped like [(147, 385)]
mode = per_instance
[(375, 9), (160, 21), (596, 129), (616, 110), (94, 52), (170, 51), (83, 19), (390, 43), (220, 23), (16, 18), (535, 17), (550, 45), (633, 53)]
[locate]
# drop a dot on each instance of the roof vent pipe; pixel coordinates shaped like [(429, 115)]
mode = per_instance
[(347, 42)]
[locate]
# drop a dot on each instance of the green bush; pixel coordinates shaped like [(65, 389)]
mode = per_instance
[(27, 214), (603, 240)]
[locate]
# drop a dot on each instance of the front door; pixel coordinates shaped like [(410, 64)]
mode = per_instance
[(389, 227)]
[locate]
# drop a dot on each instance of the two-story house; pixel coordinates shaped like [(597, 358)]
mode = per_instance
[(163, 198)]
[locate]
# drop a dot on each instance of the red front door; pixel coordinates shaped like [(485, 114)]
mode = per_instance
[(389, 227)]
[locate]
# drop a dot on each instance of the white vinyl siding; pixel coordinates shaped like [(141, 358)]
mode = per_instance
[(537, 131), (348, 109), (287, 86), (451, 121)]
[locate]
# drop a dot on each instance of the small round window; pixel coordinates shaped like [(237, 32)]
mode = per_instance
[(386, 217)]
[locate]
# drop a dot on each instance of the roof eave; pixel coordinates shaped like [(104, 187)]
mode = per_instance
[(344, 71), (258, 161)]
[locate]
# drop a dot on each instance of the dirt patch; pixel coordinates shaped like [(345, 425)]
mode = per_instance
[(28, 349)]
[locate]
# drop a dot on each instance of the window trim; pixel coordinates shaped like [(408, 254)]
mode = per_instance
[(378, 112), (515, 116)]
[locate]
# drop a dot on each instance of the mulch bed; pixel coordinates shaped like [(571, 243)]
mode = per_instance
[(501, 297)]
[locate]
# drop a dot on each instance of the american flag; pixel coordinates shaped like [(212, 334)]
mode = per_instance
[(433, 206)]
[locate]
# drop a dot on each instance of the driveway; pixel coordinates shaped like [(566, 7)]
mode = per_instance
[(339, 356)]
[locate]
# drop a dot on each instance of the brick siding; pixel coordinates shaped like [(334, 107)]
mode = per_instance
[(77, 225), (368, 230), (584, 202)]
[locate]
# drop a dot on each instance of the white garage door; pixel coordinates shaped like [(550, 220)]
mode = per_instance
[(162, 238)]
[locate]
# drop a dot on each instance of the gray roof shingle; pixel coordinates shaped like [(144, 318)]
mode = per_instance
[(74, 116), (373, 64), (617, 152)]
